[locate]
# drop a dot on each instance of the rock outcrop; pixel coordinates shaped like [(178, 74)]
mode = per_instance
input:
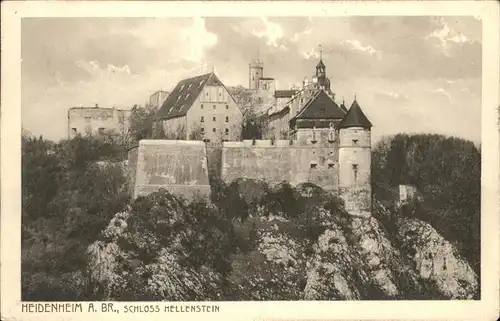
[(304, 248)]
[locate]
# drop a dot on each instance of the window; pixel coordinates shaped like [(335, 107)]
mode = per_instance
[(215, 106), (227, 131), (201, 106), (88, 119), (202, 130), (355, 141), (227, 119), (213, 129), (227, 106), (213, 118), (355, 171), (202, 119), (73, 130), (330, 165), (313, 165)]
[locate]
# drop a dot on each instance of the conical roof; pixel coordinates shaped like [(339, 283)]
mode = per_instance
[(355, 118), (320, 63)]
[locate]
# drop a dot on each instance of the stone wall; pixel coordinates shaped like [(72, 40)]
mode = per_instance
[(279, 161), (95, 120), (175, 165)]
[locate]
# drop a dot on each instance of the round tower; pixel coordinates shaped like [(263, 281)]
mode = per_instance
[(256, 71), (355, 161)]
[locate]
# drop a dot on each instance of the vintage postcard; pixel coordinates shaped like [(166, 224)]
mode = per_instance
[(250, 160)]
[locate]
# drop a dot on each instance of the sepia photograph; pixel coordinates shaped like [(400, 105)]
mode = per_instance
[(265, 157)]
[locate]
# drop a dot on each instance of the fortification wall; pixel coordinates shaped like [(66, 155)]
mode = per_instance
[(281, 161), (175, 165)]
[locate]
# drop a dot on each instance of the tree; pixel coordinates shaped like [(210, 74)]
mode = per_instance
[(196, 133), (142, 122), (446, 171), (253, 124)]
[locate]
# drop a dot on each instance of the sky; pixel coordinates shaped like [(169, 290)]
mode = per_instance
[(409, 74)]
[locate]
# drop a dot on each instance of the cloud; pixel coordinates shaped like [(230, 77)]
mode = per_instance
[(447, 37), (402, 77), (356, 45), (272, 32)]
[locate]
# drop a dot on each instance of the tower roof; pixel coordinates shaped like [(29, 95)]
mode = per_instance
[(320, 106), (320, 64), (355, 118)]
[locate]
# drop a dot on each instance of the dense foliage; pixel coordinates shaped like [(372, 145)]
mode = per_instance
[(70, 192), (447, 174)]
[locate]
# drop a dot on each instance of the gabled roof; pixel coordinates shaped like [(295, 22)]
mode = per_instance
[(184, 94), (321, 106), (284, 93), (355, 118)]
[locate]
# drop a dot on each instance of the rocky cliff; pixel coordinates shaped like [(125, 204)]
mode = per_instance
[(300, 244)]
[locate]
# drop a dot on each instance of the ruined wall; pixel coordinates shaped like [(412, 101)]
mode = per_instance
[(175, 165), (95, 120), (281, 161)]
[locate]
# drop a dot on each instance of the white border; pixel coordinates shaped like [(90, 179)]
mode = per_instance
[(487, 11)]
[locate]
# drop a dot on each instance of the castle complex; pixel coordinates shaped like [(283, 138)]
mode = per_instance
[(309, 138)]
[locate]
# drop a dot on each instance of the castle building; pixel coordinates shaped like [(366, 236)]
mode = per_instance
[(87, 121), (198, 108), (263, 88), (157, 99), (310, 139), (355, 160)]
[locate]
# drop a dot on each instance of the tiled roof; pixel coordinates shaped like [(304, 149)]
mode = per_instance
[(184, 94), (321, 106), (284, 93), (355, 118), (284, 110)]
